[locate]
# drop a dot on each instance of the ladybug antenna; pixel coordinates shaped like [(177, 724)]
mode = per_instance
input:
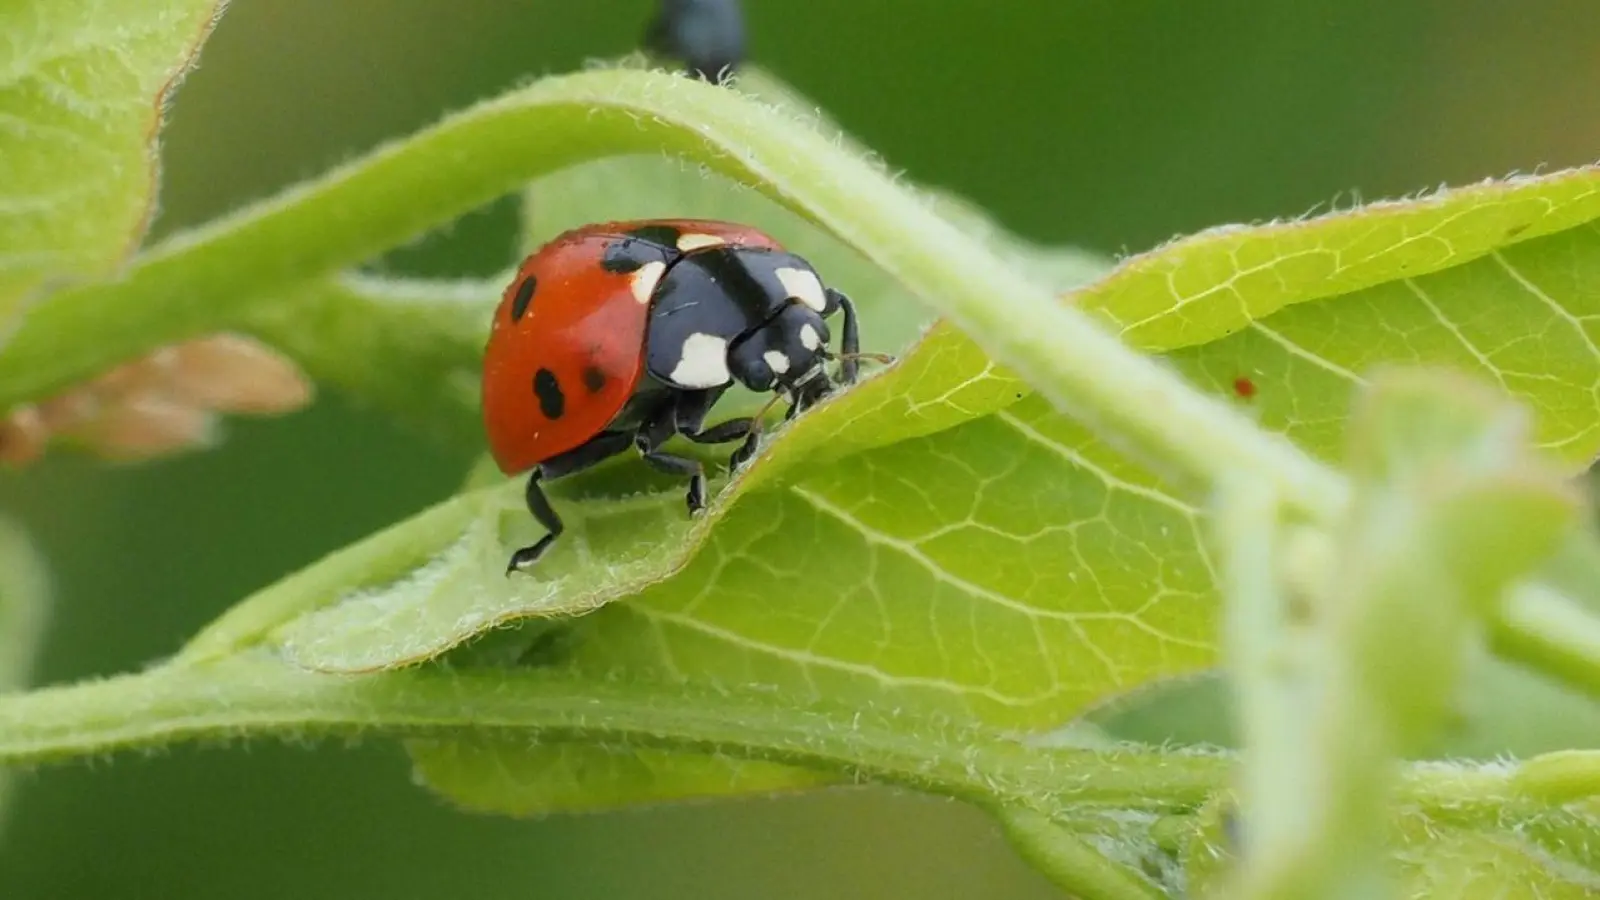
[(758, 421), (761, 414), (884, 358)]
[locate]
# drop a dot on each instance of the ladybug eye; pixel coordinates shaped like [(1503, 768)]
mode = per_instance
[(756, 363)]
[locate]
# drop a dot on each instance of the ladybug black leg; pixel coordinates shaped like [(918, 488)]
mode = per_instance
[(723, 432), (539, 505), (809, 394), (732, 430), (690, 415), (656, 430), (690, 408), (679, 465), (850, 341), (597, 449)]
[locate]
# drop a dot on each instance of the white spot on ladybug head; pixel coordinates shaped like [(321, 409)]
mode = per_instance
[(777, 361), (695, 241), (645, 278), (809, 337), (804, 286), (703, 363)]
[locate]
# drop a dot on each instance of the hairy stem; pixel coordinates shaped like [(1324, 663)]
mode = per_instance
[(208, 279), (253, 693)]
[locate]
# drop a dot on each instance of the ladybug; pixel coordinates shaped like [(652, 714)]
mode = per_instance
[(707, 36), (623, 334)]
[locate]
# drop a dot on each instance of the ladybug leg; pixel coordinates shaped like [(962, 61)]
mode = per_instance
[(690, 409), (691, 412), (601, 447), (807, 395), (723, 432), (539, 505), (850, 341), (656, 430)]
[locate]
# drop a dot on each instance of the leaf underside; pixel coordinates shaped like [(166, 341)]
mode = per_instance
[(82, 88)]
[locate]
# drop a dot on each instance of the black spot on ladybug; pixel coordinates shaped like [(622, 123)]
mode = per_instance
[(630, 254), (593, 379), (665, 235), (524, 296), (551, 401)]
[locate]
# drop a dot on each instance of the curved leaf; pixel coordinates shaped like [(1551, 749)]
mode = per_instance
[(254, 693), (1517, 851), (1203, 287), (530, 777), (941, 380), (1526, 316), (82, 91)]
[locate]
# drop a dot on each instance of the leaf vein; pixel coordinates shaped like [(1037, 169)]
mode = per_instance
[(1297, 350), (1547, 300), (1078, 460)]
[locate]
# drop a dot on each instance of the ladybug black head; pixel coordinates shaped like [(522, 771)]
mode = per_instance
[(788, 350)]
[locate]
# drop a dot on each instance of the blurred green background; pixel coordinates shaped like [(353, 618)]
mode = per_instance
[(1109, 125)]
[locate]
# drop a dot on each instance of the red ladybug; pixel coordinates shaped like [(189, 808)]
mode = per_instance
[(624, 334)]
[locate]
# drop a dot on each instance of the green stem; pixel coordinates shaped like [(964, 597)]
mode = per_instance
[(256, 694), (1065, 859), (1565, 776), (206, 279), (1550, 633)]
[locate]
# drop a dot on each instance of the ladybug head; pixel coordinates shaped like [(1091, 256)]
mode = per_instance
[(786, 353)]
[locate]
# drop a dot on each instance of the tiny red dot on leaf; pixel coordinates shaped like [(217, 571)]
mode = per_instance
[(1244, 387)]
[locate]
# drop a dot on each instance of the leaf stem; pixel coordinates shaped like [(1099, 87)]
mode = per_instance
[(254, 693), (1548, 632), (207, 279), (1069, 862)]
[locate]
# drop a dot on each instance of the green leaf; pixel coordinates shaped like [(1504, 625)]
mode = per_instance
[(1347, 650), (1508, 850), (24, 603), (1059, 509), (941, 381), (1521, 315), (910, 570), (532, 777), (82, 90), (1070, 859), (1209, 285), (1501, 861), (254, 693)]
